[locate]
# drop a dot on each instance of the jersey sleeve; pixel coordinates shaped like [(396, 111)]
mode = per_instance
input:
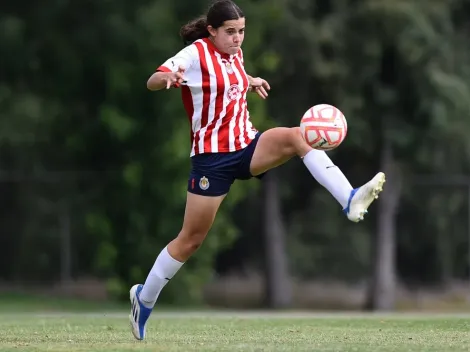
[(187, 57)]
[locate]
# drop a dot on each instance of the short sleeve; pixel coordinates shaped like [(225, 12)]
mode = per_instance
[(186, 58)]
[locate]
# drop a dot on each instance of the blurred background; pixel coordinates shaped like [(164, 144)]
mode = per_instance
[(93, 166)]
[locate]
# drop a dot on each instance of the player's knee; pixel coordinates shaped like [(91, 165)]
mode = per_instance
[(289, 142), (297, 144), (297, 135), (295, 132)]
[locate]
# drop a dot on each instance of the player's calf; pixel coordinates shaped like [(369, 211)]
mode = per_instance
[(186, 244)]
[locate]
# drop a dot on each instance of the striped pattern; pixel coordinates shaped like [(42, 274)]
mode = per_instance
[(214, 98)]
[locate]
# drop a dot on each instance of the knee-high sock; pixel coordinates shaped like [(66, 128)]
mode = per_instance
[(328, 175)]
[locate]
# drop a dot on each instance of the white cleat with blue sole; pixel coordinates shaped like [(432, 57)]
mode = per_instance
[(139, 313), (361, 198)]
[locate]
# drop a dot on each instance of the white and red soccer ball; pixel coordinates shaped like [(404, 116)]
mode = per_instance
[(323, 127)]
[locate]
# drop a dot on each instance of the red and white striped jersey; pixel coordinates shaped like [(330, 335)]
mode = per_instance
[(214, 97)]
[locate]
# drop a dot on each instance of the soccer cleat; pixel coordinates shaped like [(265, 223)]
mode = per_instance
[(139, 313), (362, 197)]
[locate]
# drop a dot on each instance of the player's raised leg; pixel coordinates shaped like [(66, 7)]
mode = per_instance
[(199, 216), (278, 145)]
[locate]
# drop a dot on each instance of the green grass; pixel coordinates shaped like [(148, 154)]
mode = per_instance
[(169, 332), (13, 302)]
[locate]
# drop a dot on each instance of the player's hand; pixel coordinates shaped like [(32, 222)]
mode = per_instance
[(260, 86), (174, 79)]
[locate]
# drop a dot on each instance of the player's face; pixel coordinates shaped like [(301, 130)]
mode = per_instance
[(229, 37)]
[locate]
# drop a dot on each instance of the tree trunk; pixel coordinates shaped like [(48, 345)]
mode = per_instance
[(278, 288), (383, 283), (65, 245)]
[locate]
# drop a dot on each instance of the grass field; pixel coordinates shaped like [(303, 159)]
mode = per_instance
[(225, 331)]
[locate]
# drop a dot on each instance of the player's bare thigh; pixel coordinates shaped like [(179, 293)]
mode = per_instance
[(199, 216), (275, 147)]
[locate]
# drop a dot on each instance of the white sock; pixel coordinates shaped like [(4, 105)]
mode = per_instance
[(163, 270), (328, 175)]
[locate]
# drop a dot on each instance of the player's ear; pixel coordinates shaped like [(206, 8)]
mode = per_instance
[(212, 31)]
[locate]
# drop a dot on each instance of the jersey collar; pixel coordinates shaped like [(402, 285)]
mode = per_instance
[(211, 45)]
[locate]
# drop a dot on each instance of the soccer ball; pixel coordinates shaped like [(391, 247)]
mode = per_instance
[(323, 127)]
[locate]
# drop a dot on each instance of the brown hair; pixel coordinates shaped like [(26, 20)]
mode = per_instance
[(219, 12)]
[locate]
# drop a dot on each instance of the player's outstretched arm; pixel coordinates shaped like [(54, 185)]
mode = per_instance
[(160, 80)]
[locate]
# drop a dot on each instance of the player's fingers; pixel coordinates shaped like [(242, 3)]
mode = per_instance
[(169, 82), (181, 69), (262, 92), (266, 85)]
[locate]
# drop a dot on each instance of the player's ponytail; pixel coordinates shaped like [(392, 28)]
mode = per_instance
[(194, 30), (219, 12)]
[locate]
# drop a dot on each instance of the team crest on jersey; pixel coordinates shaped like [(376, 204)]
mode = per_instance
[(228, 67), (204, 183), (234, 92)]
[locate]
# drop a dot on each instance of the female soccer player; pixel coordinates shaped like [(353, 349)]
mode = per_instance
[(225, 145)]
